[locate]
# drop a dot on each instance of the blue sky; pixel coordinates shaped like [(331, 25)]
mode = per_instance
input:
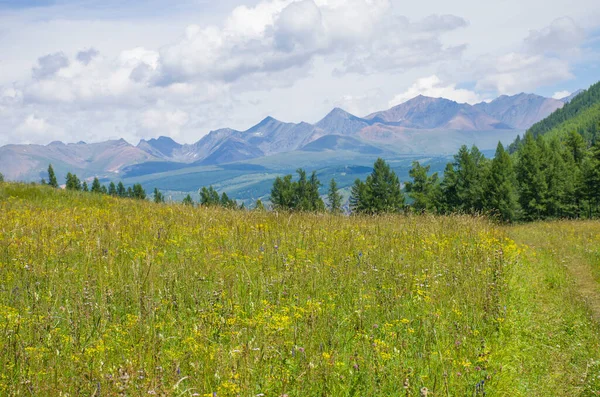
[(91, 70)]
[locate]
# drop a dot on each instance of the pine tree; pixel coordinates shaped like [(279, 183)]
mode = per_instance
[(531, 181), (259, 206), (283, 193), (383, 187), (424, 189), (209, 197), (112, 189), (158, 196), (96, 187), (227, 202), (359, 197), (501, 189), (72, 182), (591, 180), (121, 192), (129, 193), (85, 187), (103, 189), (314, 198), (188, 200), (334, 198), (138, 192), (52, 177)]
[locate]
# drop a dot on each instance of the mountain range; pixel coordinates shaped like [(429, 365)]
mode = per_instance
[(422, 125)]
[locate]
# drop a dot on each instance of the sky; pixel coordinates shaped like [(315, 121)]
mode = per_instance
[(91, 70)]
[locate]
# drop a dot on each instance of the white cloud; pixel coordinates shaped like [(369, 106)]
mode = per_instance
[(563, 34), (561, 94), (432, 86), (162, 122)]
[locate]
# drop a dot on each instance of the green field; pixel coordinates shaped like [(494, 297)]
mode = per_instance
[(102, 296)]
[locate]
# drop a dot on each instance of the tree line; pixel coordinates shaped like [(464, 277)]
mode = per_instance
[(117, 190)]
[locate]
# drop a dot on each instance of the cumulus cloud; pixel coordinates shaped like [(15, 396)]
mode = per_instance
[(87, 56), (162, 122), (277, 35), (561, 94), (433, 86), (563, 34), (49, 64)]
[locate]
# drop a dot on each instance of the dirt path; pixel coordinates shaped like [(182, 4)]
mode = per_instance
[(588, 287)]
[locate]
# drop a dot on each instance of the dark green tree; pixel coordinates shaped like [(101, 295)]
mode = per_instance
[(334, 198), (158, 196), (188, 200), (209, 197), (591, 180), (129, 192), (1, 178), (531, 181), (112, 189), (96, 187), (383, 187), (501, 195), (283, 193), (425, 190), (72, 182), (359, 198), (121, 192), (138, 192), (103, 189), (85, 187), (52, 181), (259, 206), (227, 202)]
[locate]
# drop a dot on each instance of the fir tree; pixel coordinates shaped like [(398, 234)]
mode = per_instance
[(283, 193), (188, 200), (209, 197), (129, 193), (359, 197), (112, 189), (103, 189), (334, 198), (138, 192), (158, 196), (501, 193), (259, 206), (121, 192), (96, 187), (85, 187), (72, 182), (531, 181), (383, 187), (52, 181), (424, 189)]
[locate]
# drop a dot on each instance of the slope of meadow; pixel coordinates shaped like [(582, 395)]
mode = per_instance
[(100, 296)]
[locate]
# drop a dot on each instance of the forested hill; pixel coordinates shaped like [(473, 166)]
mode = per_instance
[(581, 115)]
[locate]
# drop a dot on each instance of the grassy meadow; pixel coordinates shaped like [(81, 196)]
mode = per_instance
[(105, 297)]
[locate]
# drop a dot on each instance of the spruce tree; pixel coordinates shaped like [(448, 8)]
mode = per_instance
[(52, 177), (227, 202), (72, 182), (531, 181), (591, 180), (383, 187), (283, 193), (259, 206), (188, 200), (85, 187), (334, 198), (424, 189), (129, 193), (96, 187), (103, 189), (121, 192), (314, 198), (501, 188), (209, 197), (359, 198), (112, 189), (158, 196), (138, 192)]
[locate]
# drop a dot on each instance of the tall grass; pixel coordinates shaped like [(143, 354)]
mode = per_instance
[(100, 296)]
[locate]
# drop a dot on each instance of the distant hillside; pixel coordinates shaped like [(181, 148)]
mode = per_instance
[(422, 125), (581, 114), (520, 111)]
